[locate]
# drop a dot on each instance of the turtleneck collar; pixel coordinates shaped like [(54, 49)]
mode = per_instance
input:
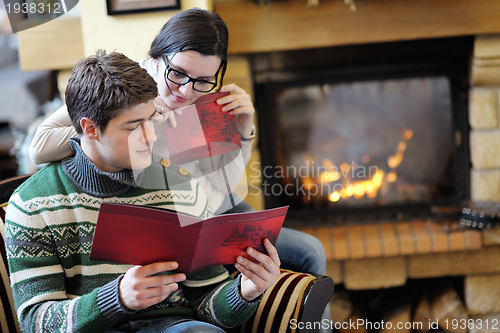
[(91, 180)]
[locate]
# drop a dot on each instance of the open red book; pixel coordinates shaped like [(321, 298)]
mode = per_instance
[(202, 131), (140, 235)]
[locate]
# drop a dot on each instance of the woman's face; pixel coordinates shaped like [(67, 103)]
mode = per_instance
[(190, 63)]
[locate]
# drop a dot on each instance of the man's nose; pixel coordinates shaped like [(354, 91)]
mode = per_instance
[(148, 132)]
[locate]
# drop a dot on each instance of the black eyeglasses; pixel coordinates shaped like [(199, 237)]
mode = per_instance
[(181, 79)]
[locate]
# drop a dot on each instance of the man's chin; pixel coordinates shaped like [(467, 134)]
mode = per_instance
[(141, 162)]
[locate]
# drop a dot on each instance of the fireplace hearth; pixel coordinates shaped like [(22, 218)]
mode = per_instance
[(364, 132)]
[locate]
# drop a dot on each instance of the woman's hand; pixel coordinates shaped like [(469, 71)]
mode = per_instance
[(257, 277), (165, 111), (239, 104), (139, 289)]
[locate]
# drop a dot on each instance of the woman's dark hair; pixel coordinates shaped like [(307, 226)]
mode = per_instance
[(102, 86), (197, 30)]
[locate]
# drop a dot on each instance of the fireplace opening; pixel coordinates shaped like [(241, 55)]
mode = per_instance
[(421, 305), (364, 132)]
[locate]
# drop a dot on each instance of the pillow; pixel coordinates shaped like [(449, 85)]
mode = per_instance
[(281, 303)]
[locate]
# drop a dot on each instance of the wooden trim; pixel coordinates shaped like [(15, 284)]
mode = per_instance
[(290, 24), (120, 7)]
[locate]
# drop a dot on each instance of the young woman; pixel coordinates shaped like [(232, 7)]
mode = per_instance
[(188, 59)]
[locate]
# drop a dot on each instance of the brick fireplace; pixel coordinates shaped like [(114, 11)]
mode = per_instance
[(402, 248), (369, 259), (365, 132), (395, 253)]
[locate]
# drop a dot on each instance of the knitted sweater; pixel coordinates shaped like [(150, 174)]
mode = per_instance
[(51, 138), (50, 223)]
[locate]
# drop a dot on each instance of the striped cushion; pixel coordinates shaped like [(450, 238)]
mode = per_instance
[(281, 303), (8, 318)]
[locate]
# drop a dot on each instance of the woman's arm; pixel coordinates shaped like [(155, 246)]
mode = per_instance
[(239, 104), (233, 165), (50, 142)]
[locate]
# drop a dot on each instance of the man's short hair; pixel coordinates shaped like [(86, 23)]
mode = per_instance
[(101, 86)]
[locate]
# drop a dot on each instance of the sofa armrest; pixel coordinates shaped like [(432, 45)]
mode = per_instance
[(8, 317), (293, 299)]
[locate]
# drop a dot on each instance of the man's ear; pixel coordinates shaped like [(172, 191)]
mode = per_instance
[(89, 129)]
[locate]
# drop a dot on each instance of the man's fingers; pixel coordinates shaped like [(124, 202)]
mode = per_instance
[(158, 267), (272, 252), (257, 269), (157, 291), (163, 280), (267, 262), (261, 284)]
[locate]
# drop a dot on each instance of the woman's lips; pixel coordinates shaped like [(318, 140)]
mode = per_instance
[(179, 99)]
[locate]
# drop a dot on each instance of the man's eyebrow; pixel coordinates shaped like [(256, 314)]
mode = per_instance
[(142, 119)]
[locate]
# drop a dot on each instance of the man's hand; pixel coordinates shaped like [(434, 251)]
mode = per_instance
[(139, 289), (257, 277)]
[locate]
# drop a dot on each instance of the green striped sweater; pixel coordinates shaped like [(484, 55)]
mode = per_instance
[(50, 223)]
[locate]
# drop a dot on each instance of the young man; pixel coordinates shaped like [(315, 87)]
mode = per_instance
[(51, 220)]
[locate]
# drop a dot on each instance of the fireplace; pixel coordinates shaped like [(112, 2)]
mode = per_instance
[(364, 132)]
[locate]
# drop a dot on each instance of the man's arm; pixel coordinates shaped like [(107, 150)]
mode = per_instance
[(215, 297), (39, 282), (230, 303)]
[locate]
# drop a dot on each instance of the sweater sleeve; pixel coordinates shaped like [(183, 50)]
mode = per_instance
[(216, 297), (50, 142), (39, 282)]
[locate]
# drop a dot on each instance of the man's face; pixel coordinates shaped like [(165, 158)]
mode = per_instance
[(127, 141)]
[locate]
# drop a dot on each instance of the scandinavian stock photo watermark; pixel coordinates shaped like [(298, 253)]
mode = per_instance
[(309, 180)]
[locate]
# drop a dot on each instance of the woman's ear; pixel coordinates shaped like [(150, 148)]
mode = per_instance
[(89, 129)]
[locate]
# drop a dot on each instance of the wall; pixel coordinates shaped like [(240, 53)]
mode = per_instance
[(484, 120), (290, 24), (129, 34)]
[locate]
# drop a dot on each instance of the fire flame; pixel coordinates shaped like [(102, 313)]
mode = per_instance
[(369, 187), (360, 188)]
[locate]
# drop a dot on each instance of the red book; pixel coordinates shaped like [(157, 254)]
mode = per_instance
[(202, 131), (140, 235)]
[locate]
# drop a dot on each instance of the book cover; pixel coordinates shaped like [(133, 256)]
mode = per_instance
[(140, 235), (202, 131)]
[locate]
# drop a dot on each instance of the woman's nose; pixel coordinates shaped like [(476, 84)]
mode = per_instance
[(187, 89)]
